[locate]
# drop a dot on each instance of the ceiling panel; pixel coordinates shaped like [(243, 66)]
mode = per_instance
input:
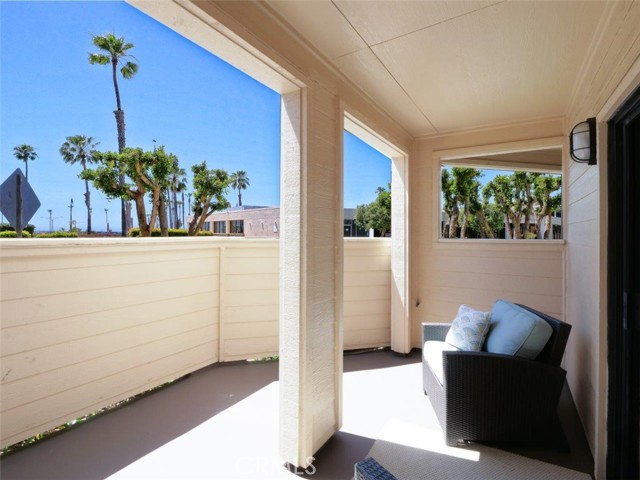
[(511, 62), (366, 71), (322, 24), (445, 66), (384, 20)]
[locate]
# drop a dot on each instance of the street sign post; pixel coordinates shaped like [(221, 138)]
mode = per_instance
[(17, 195)]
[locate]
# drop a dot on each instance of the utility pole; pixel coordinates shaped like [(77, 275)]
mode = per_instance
[(18, 206), (71, 215), (106, 215), (50, 220)]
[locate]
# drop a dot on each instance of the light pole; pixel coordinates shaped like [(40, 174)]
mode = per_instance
[(50, 220), (71, 215), (106, 216)]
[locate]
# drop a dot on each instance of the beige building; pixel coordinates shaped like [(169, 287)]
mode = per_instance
[(263, 222), (247, 221), (426, 83)]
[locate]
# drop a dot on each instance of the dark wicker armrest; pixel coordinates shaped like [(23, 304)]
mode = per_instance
[(494, 397), (434, 331)]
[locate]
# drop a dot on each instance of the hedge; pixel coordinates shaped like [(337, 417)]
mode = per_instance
[(6, 227), (13, 234), (173, 232), (58, 234)]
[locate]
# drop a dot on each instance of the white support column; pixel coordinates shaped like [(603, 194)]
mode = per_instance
[(310, 259), (400, 321)]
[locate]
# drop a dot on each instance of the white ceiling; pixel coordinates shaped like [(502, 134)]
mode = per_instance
[(440, 66)]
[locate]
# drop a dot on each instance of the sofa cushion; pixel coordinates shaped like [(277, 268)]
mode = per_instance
[(432, 353), (516, 331), (468, 329)]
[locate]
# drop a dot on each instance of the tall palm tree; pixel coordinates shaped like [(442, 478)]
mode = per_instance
[(177, 183), (80, 149), (24, 153), (115, 51), (239, 181)]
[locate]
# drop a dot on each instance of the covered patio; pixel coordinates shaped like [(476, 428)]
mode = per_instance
[(219, 422), (87, 323)]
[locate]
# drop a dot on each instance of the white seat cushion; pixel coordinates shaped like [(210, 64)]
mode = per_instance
[(432, 353)]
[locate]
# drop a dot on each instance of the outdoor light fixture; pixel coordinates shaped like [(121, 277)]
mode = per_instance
[(582, 141)]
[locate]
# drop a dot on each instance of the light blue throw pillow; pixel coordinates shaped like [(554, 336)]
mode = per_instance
[(516, 331), (468, 330)]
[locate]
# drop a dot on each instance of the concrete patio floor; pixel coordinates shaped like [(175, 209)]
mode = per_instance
[(222, 423)]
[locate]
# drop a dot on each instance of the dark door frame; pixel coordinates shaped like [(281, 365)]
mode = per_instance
[(623, 416)]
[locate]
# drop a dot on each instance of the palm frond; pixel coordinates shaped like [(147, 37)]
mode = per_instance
[(99, 59), (129, 69)]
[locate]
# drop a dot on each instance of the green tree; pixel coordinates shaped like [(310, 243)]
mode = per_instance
[(502, 190), (149, 173), (209, 189), (465, 187), (239, 181), (25, 153), (377, 214), (545, 202), (450, 204), (115, 51), (80, 149)]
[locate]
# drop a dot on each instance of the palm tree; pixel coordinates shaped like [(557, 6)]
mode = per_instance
[(80, 149), (239, 181), (114, 50), (24, 153), (177, 183)]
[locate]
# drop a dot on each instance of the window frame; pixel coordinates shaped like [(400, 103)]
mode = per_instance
[(473, 157)]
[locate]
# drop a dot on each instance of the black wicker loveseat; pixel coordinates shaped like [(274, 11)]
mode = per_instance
[(493, 397)]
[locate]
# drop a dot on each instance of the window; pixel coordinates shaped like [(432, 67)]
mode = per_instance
[(237, 226), (207, 226), (220, 227), (504, 196)]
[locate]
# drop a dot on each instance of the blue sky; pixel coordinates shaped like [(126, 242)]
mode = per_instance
[(183, 97)]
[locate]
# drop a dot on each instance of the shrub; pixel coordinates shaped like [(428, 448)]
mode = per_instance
[(58, 234), (6, 227), (13, 234), (205, 233), (173, 232)]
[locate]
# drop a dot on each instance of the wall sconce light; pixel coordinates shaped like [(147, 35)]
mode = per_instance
[(582, 142)]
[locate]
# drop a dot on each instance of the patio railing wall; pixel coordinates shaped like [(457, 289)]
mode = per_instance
[(87, 323)]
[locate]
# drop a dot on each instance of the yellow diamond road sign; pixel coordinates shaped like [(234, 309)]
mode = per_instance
[(9, 199)]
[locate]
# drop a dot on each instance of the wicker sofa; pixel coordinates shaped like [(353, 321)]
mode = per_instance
[(494, 397)]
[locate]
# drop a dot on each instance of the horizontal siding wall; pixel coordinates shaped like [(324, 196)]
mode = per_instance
[(477, 275), (367, 293), (87, 323), (249, 296)]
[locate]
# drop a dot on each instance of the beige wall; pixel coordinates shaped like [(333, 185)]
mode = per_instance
[(86, 323), (367, 293), (610, 73), (449, 273)]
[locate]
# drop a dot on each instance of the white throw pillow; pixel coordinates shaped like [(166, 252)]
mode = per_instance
[(469, 328)]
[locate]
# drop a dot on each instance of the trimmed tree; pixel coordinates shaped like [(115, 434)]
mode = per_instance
[(80, 149), (209, 189), (149, 173)]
